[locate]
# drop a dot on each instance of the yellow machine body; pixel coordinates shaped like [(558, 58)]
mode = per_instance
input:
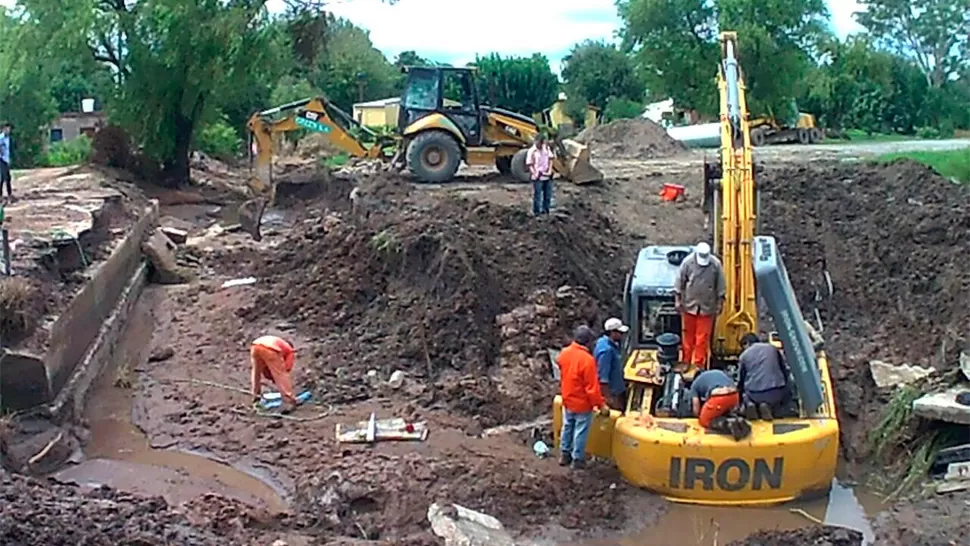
[(656, 448)]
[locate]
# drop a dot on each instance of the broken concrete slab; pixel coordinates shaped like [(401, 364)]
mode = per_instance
[(957, 478), (460, 526), (382, 430), (177, 236), (942, 406), (890, 375), (161, 251)]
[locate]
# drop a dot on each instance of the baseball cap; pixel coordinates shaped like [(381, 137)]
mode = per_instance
[(703, 253), (615, 325)]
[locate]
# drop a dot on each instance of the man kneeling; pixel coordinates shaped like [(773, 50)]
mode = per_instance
[(713, 397)]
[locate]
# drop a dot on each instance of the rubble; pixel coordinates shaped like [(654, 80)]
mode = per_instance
[(888, 375), (161, 251)]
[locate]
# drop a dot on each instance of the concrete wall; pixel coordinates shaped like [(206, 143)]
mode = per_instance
[(29, 381), (72, 125)]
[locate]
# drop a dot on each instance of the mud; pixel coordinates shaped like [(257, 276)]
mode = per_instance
[(809, 536), (934, 521), (893, 238), (630, 139)]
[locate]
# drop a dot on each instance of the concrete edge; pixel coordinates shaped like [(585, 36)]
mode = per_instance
[(69, 403)]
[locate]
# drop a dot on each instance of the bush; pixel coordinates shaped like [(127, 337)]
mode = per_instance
[(617, 108), (68, 152), (111, 147), (928, 132), (220, 140)]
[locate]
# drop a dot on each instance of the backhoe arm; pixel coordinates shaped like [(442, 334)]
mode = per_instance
[(317, 115)]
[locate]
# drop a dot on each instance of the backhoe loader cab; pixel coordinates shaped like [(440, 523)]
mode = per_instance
[(443, 122)]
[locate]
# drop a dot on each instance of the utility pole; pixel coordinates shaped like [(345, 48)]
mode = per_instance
[(361, 79)]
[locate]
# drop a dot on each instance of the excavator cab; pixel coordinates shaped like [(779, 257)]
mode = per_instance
[(446, 91)]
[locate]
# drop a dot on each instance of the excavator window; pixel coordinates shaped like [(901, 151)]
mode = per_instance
[(459, 93), (656, 316), (421, 92)]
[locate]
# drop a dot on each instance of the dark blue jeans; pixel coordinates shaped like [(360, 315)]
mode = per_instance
[(541, 196)]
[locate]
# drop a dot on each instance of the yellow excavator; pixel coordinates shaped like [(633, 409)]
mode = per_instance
[(655, 441), (441, 123), (767, 130)]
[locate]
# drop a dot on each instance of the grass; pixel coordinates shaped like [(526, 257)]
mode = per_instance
[(857, 136), (335, 161), (953, 164)]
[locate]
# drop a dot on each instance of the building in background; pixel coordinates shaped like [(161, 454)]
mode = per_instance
[(71, 125), (377, 113)]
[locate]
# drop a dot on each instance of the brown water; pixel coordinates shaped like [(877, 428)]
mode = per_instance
[(120, 456), (691, 525)]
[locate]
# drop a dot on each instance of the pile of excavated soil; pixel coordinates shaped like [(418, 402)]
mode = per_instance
[(808, 536), (36, 513), (894, 239), (630, 139), (419, 285)]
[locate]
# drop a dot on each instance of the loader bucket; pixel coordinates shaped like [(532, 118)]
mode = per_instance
[(251, 217), (576, 164)]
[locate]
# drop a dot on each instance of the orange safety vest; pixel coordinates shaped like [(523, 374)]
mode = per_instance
[(279, 345), (578, 380)]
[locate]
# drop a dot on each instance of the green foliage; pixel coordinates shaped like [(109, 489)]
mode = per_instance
[(676, 45), (352, 69), (219, 140), (522, 84), (68, 152), (934, 33), (619, 108), (290, 89), (598, 71), (575, 107)]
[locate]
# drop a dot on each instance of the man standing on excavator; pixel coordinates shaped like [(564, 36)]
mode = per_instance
[(699, 296)]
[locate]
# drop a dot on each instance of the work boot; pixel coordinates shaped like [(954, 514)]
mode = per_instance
[(565, 459), (720, 425), (579, 464), (740, 429), (765, 411), (750, 411)]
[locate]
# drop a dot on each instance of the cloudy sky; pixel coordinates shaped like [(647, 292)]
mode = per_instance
[(505, 26)]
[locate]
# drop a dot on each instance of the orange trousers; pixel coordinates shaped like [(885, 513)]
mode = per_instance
[(716, 406), (697, 331), (269, 364)]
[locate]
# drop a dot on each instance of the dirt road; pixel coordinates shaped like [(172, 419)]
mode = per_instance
[(460, 289)]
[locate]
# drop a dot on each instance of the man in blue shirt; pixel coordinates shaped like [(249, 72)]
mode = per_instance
[(5, 160), (609, 364)]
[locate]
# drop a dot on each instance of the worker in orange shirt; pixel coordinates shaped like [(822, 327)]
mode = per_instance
[(272, 358), (581, 396)]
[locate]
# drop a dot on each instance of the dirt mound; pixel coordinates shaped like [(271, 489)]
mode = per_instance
[(809, 536), (893, 238), (630, 139), (44, 514), (22, 304), (418, 288)]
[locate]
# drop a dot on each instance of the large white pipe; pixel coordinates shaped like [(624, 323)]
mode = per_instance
[(706, 135)]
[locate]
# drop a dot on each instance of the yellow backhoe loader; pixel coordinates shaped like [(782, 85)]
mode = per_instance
[(655, 441), (767, 130), (441, 124)]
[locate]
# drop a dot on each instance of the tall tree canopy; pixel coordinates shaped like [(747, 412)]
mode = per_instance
[(598, 71), (522, 84), (936, 33)]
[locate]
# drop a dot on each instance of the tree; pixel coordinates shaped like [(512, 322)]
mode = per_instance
[(521, 84), (597, 71), (936, 33), (676, 46), (351, 66), (411, 58)]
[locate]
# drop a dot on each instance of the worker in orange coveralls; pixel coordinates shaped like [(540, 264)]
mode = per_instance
[(272, 357)]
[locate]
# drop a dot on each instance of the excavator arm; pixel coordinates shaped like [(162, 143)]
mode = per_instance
[(734, 214), (314, 114)]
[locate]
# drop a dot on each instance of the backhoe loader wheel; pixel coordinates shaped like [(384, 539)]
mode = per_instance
[(519, 169), (504, 164), (804, 136), (434, 157), (757, 137), (815, 135)]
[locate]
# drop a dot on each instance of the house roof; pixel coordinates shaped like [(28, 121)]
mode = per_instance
[(378, 103)]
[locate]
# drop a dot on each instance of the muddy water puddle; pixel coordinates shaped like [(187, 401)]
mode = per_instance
[(708, 526), (119, 455)]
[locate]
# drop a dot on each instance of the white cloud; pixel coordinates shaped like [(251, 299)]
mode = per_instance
[(843, 20)]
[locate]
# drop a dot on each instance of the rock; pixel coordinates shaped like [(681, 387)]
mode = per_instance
[(460, 526), (178, 236), (888, 375), (396, 380), (161, 251), (160, 354)]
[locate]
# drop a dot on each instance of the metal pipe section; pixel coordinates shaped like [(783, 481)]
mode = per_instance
[(732, 75)]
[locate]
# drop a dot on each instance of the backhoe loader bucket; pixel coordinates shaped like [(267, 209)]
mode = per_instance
[(251, 216), (575, 163)]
